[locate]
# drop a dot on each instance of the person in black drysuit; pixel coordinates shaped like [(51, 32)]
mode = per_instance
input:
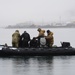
[(25, 38)]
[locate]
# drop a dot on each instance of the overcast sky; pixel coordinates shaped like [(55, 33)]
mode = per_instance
[(19, 11)]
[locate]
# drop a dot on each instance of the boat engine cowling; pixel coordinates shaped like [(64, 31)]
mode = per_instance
[(65, 44)]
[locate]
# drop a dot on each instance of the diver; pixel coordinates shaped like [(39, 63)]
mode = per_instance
[(49, 38), (25, 38), (15, 38), (41, 36)]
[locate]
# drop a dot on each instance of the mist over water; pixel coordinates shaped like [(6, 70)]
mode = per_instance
[(38, 65)]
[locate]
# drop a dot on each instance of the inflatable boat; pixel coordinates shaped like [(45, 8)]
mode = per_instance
[(39, 51)]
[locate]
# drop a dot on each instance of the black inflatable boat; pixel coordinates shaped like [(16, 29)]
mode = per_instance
[(39, 51)]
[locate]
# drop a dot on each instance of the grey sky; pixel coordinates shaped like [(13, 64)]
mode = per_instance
[(18, 11)]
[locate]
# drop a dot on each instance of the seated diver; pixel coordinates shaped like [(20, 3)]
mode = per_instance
[(33, 42)]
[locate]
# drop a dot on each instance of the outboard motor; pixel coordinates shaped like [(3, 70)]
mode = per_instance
[(65, 44)]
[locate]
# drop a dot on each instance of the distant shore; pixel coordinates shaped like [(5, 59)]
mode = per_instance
[(31, 25), (41, 27)]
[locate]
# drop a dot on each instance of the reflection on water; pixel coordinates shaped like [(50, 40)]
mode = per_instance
[(33, 65), (38, 65)]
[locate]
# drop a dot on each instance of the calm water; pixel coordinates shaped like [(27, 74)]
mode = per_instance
[(38, 65)]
